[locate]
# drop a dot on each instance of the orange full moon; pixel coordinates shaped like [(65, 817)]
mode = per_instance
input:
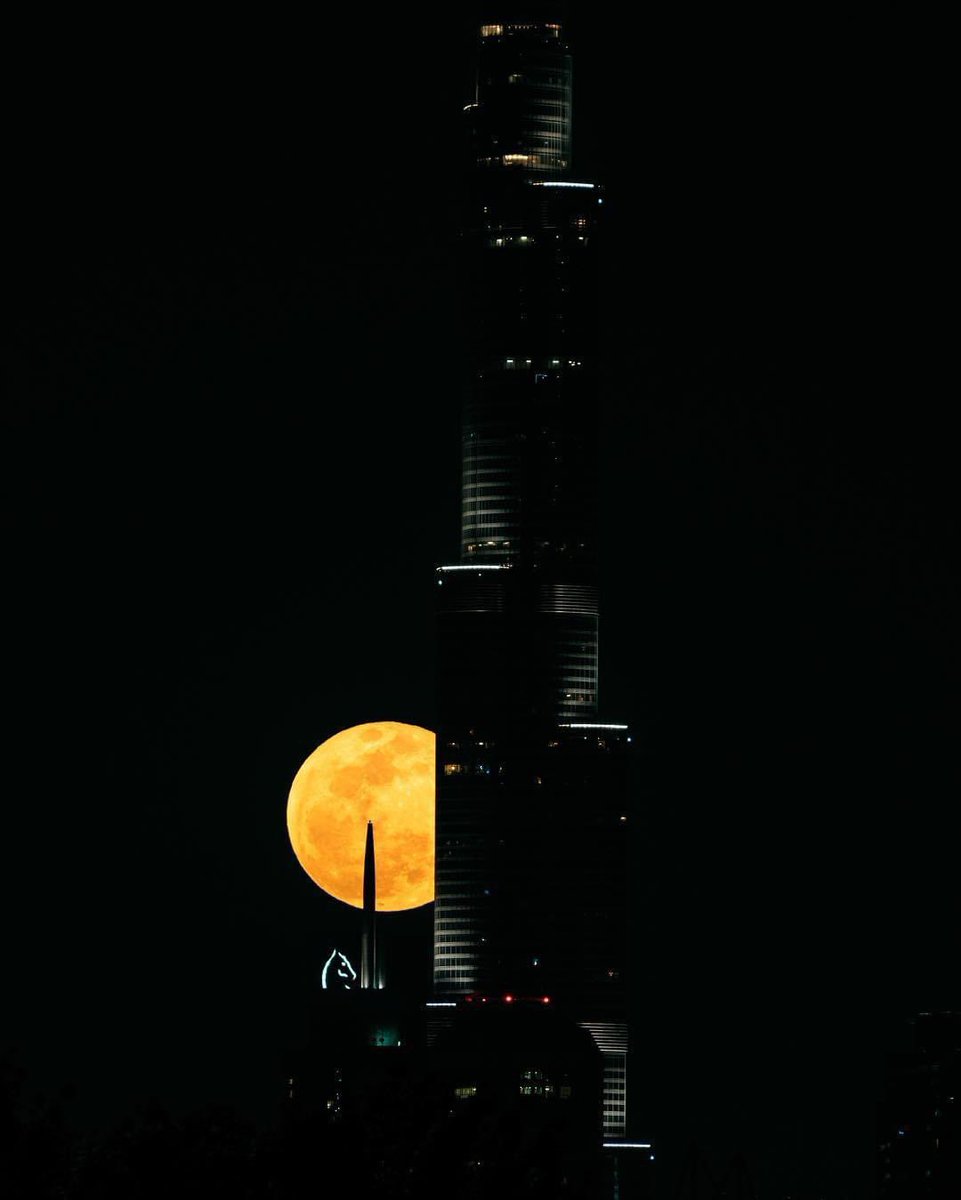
[(381, 772)]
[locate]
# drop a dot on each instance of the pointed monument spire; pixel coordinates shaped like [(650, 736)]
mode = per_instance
[(369, 975)]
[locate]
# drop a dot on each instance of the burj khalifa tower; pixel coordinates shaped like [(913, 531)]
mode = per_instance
[(532, 790)]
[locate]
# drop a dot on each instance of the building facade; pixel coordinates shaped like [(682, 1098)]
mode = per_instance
[(532, 819), (919, 1118)]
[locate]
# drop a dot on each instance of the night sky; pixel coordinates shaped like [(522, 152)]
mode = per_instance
[(230, 463)]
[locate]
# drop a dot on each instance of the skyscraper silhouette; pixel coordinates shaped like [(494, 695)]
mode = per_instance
[(532, 820)]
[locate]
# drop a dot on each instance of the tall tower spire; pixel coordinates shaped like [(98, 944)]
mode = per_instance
[(369, 966)]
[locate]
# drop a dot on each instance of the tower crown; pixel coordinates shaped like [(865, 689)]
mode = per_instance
[(521, 113)]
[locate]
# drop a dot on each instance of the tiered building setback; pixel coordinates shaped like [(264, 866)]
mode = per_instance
[(532, 818)]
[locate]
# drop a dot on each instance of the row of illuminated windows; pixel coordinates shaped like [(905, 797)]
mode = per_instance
[(541, 78), (564, 1092), (493, 494), (526, 364), (471, 456), (487, 538), (488, 541), (508, 484), (505, 472), (493, 477), (522, 241), (547, 30), (490, 493), (455, 768), (535, 161), (542, 372), (543, 112), (486, 523)]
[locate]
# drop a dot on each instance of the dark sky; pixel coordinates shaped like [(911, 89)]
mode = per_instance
[(229, 465)]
